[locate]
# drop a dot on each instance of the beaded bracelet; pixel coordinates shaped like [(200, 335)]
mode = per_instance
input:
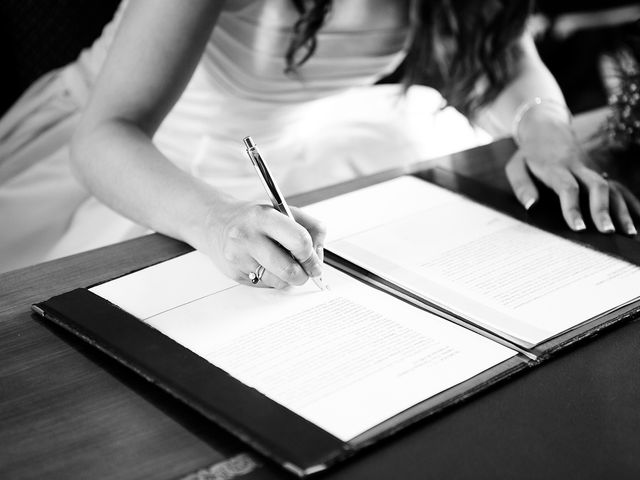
[(526, 107)]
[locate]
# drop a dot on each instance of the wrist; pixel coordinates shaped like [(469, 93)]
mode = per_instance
[(202, 224), (540, 117)]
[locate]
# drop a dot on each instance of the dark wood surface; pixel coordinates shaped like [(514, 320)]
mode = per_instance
[(67, 411)]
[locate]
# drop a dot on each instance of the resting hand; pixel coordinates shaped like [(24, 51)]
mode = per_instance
[(247, 236), (551, 152)]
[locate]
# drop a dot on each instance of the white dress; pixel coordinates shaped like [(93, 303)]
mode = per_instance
[(325, 125)]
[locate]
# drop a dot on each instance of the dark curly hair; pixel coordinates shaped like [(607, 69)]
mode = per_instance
[(467, 49)]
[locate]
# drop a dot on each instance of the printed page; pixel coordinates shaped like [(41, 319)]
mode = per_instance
[(346, 359), (502, 274)]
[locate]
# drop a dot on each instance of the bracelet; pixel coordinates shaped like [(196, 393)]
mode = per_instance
[(526, 107)]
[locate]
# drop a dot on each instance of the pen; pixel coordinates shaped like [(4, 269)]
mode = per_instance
[(270, 185)]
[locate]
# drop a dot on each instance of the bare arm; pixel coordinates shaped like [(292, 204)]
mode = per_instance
[(533, 80), (155, 51), (154, 54), (548, 149)]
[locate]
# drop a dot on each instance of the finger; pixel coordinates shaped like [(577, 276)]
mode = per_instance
[(630, 199), (278, 262), (315, 227), (267, 280), (566, 187), (520, 180), (621, 212), (295, 239), (599, 195)]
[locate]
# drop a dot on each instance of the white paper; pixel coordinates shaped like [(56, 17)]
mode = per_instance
[(164, 286), (345, 359), (497, 271)]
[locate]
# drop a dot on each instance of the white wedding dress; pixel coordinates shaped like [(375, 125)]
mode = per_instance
[(322, 126)]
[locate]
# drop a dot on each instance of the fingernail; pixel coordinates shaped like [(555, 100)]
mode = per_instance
[(578, 225), (631, 229), (607, 226), (316, 271), (529, 203), (320, 252)]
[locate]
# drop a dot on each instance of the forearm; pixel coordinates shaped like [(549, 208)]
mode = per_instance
[(157, 47), (533, 80), (119, 164)]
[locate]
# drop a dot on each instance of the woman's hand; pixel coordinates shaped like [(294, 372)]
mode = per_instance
[(550, 151), (246, 236)]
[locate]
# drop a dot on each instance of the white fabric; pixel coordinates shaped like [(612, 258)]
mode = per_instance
[(320, 127)]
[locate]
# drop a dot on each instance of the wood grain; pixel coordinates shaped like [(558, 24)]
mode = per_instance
[(68, 411)]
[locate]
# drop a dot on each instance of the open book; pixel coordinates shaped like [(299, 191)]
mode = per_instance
[(477, 266), (308, 377)]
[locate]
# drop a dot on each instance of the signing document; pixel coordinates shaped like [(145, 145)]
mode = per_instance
[(345, 359), (503, 275)]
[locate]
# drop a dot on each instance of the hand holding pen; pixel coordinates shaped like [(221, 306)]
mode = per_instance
[(289, 248)]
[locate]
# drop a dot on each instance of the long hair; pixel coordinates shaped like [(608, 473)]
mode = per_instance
[(467, 49)]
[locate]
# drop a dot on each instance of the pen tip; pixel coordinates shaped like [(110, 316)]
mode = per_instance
[(320, 283)]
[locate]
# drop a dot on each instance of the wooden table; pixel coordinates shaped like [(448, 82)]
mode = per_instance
[(67, 411)]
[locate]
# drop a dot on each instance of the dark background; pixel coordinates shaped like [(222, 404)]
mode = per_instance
[(37, 36)]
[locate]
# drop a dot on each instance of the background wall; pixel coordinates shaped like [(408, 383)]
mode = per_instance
[(37, 36), (574, 35)]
